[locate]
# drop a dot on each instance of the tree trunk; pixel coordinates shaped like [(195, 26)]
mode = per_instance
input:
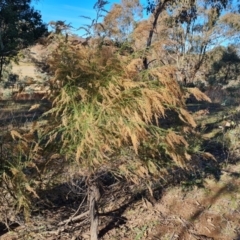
[(94, 196), (1, 58), (158, 10), (1, 67)]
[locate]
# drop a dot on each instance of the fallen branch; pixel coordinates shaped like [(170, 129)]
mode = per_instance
[(74, 219), (64, 228), (73, 216)]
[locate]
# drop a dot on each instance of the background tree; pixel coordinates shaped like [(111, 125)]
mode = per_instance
[(60, 27), (186, 30), (224, 65), (184, 36), (120, 21), (20, 26)]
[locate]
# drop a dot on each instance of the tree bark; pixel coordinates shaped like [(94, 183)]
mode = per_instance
[(158, 10), (1, 58), (94, 196), (1, 67)]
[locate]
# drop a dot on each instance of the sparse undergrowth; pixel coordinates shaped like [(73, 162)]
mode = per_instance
[(212, 211)]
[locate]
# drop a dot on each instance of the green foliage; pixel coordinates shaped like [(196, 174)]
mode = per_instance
[(17, 183), (6, 73), (20, 26), (102, 103), (190, 29), (25, 169), (225, 65), (19, 21)]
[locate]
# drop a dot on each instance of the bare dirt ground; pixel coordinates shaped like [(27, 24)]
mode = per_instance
[(27, 67), (24, 70), (208, 213)]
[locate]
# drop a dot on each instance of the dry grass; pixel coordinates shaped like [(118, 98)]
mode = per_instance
[(211, 212)]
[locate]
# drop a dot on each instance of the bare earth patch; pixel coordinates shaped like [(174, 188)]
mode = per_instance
[(210, 213), (24, 69)]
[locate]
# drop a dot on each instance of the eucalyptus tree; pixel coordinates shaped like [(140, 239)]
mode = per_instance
[(189, 29)]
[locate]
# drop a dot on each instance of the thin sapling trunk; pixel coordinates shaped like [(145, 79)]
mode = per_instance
[(94, 196)]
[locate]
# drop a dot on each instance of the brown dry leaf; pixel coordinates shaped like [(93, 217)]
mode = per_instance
[(150, 190), (14, 171), (200, 96), (28, 137), (134, 179), (140, 174), (188, 117), (85, 235), (187, 156), (33, 165), (135, 142), (33, 107), (134, 65), (143, 170), (187, 129), (36, 148), (173, 139), (22, 145), (15, 134), (146, 203), (31, 190), (55, 156), (123, 169), (207, 155), (34, 124)]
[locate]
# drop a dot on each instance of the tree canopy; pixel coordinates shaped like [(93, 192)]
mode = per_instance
[(20, 26)]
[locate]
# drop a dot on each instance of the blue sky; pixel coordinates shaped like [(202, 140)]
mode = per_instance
[(68, 10)]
